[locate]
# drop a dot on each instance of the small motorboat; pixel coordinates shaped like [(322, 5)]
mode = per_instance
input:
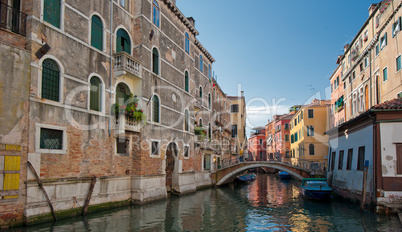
[(315, 188), (284, 175), (245, 178)]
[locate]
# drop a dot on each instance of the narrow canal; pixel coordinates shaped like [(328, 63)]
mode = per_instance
[(267, 204)]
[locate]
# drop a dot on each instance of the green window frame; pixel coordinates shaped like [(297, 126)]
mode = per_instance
[(123, 43), (122, 93), (155, 109), (200, 92), (398, 63), (385, 74), (95, 94), (96, 32), (209, 101), (52, 12), (50, 80), (186, 82), (155, 61)]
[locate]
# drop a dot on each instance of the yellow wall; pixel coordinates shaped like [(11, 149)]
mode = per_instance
[(319, 140)]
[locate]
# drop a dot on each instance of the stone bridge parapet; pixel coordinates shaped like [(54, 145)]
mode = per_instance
[(228, 174)]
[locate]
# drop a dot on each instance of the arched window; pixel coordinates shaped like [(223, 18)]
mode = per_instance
[(123, 43), (200, 123), (209, 101), (187, 43), (287, 153), (155, 61), (186, 82), (186, 121), (95, 94), (200, 92), (201, 64), (96, 32), (156, 13), (209, 131), (52, 11), (122, 93), (155, 109), (311, 149), (209, 72), (50, 80)]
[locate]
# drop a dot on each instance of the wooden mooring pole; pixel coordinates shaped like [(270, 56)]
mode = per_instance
[(43, 189), (88, 199), (364, 188)]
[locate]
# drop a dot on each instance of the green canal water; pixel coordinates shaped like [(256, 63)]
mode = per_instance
[(267, 204)]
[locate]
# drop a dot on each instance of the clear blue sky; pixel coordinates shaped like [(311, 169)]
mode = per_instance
[(278, 51)]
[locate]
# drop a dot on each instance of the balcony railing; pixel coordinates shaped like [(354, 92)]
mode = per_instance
[(12, 19), (125, 62), (122, 123)]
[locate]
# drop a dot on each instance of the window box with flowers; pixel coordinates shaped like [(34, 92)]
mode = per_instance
[(200, 132), (129, 116)]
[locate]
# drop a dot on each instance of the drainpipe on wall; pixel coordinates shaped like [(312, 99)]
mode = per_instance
[(111, 64)]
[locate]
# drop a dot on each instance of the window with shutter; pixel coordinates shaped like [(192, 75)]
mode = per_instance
[(155, 109), (201, 64), (51, 12), (97, 33), (187, 43), (123, 43), (50, 80), (186, 82), (156, 13), (360, 159), (95, 94), (155, 61)]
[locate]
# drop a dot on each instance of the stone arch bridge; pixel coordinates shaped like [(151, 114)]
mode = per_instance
[(228, 174)]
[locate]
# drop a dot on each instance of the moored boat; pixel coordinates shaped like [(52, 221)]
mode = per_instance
[(315, 188), (284, 175), (245, 178)]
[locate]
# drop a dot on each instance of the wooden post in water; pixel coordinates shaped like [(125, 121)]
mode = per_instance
[(364, 185), (91, 189), (43, 189)]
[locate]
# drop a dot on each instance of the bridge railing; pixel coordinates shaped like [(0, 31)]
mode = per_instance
[(314, 168)]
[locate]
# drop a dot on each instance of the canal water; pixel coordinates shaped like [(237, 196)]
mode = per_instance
[(267, 204)]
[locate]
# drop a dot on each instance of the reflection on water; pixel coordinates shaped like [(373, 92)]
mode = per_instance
[(267, 204)]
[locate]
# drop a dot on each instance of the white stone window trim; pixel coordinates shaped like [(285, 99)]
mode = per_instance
[(103, 94), (61, 76), (115, 37), (38, 126), (159, 148), (129, 146)]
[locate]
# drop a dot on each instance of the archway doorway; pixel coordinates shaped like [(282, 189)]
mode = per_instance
[(171, 154)]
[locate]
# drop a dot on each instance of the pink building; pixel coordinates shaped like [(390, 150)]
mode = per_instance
[(257, 145), (337, 112)]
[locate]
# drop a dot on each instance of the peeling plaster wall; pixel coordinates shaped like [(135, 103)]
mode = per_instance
[(391, 133)]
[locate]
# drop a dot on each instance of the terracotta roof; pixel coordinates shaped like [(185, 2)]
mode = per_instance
[(395, 104)]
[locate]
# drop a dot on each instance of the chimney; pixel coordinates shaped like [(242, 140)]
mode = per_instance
[(372, 8), (345, 47), (242, 93), (192, 21)]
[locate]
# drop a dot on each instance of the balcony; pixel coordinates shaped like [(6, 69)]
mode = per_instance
[(198, 103), (12, 19), (124, 64), (124, 123)]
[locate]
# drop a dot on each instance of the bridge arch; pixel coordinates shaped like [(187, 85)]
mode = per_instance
[(241, 168)]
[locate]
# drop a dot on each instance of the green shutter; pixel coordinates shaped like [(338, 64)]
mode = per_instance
[(155, 61), (97, 33), (50, 80), (95, 94), (51, 12), (186, 81), (118, 44), (123, 41), (155, 109)]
